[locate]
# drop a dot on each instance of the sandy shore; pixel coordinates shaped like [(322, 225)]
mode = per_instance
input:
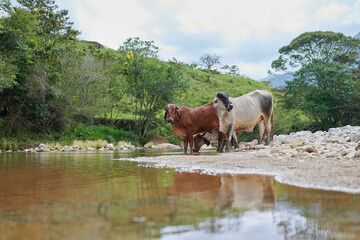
[(323, 173)]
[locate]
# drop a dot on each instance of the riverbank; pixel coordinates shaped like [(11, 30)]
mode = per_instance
[(324, 160)]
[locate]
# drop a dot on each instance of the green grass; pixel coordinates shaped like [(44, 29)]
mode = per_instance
[(204, 86)]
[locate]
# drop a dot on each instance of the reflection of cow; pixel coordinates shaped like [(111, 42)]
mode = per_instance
[(246, 192), (243, 113), (239, 191)]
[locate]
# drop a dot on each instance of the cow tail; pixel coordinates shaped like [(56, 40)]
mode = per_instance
[(272, 127)]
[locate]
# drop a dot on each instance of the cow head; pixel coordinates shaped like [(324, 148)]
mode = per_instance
[(222, 100), (171, 112), (199, 140)]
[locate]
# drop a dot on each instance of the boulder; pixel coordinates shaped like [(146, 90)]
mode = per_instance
[(42, 146), (156, 140), (67, 149), (166, 146), (110, 147), (297, 142), (309, 149), (355, 137)]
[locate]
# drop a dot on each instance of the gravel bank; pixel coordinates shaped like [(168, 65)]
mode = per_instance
[(324, 160)]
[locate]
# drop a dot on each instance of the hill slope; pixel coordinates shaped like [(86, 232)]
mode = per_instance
[(204, 86)]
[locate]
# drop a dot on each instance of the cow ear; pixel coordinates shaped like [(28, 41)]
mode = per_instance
[(177, 112), (165, 115), (215, 101), (227, 94)]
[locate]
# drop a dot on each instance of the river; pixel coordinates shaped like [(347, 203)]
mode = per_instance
[(94, 195)]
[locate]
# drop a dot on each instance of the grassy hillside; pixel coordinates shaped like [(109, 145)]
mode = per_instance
[(204, 86)]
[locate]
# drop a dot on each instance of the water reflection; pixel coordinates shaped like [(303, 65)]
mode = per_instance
[(91, 196), (247, 192)]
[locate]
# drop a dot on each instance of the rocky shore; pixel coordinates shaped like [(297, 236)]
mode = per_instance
[(40, 147), (325, 159)]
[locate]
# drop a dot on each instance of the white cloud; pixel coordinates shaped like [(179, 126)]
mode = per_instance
[(238, 20), (112, 22), (353, 17), (255, 70), (332, 11), (243, 32)]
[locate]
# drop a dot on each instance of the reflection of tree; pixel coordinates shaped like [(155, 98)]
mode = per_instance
[(318, 214)]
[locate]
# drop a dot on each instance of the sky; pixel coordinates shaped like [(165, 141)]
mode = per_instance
[(243, 32)]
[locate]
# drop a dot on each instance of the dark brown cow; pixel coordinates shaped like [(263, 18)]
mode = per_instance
[(188, 121)]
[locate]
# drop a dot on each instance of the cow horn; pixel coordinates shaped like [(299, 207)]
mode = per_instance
[(203, 134)]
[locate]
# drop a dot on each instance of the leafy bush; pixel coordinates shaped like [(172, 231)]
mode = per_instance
[(82, 132)]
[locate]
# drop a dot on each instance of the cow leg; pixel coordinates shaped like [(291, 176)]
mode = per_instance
[(234, 141), (221, 137), (268, 129), (261, 126), (191, 140), (185, 145), (229, 134), (222, 142)]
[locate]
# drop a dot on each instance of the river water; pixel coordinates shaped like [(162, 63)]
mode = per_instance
[(93, 195)]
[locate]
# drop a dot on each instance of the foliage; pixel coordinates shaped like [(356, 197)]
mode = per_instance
[(138, 48), (314, 46), (33, 37), (83, 86), (111, 135), (232, 70), (323, 87), (151, 84)]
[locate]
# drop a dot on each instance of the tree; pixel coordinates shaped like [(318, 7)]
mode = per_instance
[(209, 61), (323, 86), (32, 38), (312, 46), (139, 48), (232, 70), (151, 84)]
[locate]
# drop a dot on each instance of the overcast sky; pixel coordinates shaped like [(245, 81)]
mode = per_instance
[(243, 32)]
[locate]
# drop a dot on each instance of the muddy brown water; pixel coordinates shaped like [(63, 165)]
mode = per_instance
[(92, 195)]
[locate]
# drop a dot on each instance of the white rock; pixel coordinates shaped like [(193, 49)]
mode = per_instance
[(67, 149), (109, 146), (297, 142), (167, 146), (42, 146), (355, 137)]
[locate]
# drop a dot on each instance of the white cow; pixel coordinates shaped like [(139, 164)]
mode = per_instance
[(243, 113)]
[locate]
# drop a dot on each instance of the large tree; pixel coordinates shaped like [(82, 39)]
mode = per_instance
[(33, 35), (151, 83), (323, 85)]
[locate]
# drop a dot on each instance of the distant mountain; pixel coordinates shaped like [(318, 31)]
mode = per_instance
[(278, 80), (357, 36)]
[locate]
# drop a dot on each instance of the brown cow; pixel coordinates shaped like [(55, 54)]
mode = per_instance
[(188, 121)]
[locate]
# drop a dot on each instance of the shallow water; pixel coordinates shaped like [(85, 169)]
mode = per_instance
[(91, 195)]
